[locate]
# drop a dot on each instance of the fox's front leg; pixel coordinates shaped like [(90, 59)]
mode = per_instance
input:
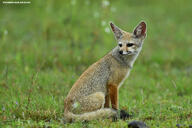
[(113, 93), (107, 101)]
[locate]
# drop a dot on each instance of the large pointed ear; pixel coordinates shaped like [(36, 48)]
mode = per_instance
[(116, 30), (140, 30)]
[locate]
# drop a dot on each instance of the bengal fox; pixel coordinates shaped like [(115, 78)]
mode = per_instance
[(91, 95)]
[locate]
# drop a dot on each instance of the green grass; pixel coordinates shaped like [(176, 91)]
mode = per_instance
[(45, 46)]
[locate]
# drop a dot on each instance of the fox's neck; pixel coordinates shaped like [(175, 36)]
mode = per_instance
[(126, 60)]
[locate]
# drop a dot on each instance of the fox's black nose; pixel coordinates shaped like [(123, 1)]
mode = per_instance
[(120, 52)]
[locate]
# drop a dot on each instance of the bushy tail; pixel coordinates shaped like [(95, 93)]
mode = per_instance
[(100, 113)]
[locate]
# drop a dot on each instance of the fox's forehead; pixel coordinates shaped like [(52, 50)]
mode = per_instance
[(127, 37)]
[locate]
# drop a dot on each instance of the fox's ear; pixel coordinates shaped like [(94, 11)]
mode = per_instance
[(117, 31), (140, 30)]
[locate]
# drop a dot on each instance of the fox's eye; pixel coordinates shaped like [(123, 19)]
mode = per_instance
[(130, 44), (120, 45)]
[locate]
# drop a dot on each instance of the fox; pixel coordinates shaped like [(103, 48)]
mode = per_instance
[(95, 94)]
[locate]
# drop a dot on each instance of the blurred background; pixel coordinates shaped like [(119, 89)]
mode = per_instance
[(46, 45)]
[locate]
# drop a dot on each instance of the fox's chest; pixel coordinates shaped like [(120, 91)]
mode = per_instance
[(118, 75)]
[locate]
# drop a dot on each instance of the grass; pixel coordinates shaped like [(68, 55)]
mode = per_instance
[(45, 46)]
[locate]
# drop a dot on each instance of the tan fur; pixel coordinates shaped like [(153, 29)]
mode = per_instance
[(118, 73), (98, 86)]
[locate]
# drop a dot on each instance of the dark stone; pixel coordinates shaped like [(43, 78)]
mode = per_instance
[(179, 125), (182, 126), (137, 124)]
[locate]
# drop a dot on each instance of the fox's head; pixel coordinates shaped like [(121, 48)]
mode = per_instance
[(129, 43)]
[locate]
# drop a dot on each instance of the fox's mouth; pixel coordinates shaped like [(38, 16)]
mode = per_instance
[(127, 52)]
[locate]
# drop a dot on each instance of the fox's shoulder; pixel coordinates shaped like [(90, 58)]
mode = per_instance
[(103, 62), (101, 65)]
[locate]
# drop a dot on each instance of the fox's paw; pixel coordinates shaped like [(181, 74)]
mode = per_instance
[(85, 121), (124, 115), (115, 116)]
